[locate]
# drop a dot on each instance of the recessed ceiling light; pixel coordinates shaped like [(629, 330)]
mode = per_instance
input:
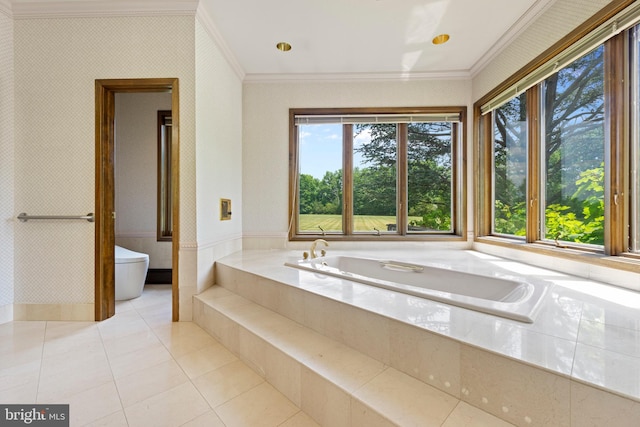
[(283, 46), (440, 39)]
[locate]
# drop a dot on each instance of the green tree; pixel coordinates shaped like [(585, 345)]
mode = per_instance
[(330, 192), (429, 172), (574, 118), (308, 193), (582, 219), (374, 190)]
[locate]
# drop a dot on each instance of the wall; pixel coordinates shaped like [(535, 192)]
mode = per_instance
[(56, 64), (136, 175), (6, 168), (266, 138), (557, 21), (218, 162)]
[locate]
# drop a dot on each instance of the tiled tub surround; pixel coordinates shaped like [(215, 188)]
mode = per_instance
[(578, 364)]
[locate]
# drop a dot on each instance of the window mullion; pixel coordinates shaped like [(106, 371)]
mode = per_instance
[(484, 211), (534, 159), (615, 241), (402, 210), (457, 190), (347, 179)]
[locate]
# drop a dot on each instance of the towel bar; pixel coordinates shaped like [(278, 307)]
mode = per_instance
[(24, 217)]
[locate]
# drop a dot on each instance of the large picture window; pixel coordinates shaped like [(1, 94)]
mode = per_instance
[(368, 173), (573, 151), (558, 147)]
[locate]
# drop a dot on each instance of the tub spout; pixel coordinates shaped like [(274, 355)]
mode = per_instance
[(313, 247)]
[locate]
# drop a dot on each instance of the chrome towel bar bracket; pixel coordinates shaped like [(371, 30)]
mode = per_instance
[(23, 217)]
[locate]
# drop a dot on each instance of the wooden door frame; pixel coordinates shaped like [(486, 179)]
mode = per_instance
[(104, 217)]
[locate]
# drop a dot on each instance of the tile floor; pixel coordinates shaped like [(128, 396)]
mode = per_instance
[(137, 369)]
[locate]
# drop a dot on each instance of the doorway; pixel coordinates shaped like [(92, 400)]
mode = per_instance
[(105, 191)]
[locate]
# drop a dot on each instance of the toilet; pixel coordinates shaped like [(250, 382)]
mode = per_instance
[(131, 271)]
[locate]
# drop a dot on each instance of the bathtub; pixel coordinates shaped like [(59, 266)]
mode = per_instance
[(508, 297)]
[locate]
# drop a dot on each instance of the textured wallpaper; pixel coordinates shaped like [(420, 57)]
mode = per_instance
[(556, 22), (266, 133), (7, 220), (56, 64), (218, 141)]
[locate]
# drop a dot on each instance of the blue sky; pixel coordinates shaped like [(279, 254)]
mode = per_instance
[(321, 148)]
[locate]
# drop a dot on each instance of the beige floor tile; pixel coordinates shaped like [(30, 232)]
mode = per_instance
[(465, 415), (64, 377), (184, 344), (131, 362), (122, 325), (19, 375), (66, 329), (81, 341), (226, 382), (88, 357), (208, 419), (153, 295), (19, 383), (206, 359), (117, 419), (149, 382), (262, 406), (300, 419), (157, 318), (121, 345), (174, 407), (25, 392), (92, 404), (16, 351), (22, 329), (174, 329), (123, 306)]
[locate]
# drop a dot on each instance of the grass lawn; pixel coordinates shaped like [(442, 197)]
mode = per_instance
[(311, 222)]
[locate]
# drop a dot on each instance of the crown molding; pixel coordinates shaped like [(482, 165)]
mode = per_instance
[(207, 23), (101, 8), (357, 77), (530, 16)]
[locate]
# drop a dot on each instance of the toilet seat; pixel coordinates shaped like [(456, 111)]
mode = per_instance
[(126, 256)]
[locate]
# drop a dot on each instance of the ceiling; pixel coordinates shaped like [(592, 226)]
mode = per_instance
[(389, 38), (335, 38)]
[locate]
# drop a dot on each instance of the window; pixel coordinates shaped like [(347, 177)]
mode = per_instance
[(510, 167), (165, 209), (558, 153), (387, 173), (573, 152), (635, 143)]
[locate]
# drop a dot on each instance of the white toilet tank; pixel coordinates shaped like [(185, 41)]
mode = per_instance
[(130, 274)]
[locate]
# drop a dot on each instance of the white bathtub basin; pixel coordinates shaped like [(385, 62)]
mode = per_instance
[(505, 297)]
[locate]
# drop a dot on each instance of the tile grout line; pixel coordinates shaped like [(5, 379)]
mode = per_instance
[(44, 337), (115, 384), (173, 357)]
